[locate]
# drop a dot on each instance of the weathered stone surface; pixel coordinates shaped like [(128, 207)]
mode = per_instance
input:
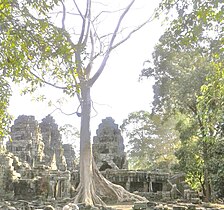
[(71, 206), (8, 175), (140, 206), (191, 207), (53, 150), (37, 160), (26, 141), (49, 207), (69, 154), (179, 207), (5, 207), (108, 146)]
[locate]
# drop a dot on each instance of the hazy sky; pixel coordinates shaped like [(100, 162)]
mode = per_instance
[(117, 92)]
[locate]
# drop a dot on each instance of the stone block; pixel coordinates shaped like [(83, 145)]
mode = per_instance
[(140, 205), (191, 207), (179, 207)]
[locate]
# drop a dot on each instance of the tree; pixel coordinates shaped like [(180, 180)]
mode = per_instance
[(43, 53), (189, 154), (24, 44), (5, 93), (71, 135), (192, 44), (152, 141), (210, 106)]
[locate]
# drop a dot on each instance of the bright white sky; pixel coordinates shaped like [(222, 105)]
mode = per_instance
[(117, 92)]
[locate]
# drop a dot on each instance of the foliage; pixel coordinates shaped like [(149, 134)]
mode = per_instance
[(195, 23), (189, 154), (188, 72), (178, 75), (152, 142), (70, 135), (211, 102), (5, 93), (28, 43), (211, 109)]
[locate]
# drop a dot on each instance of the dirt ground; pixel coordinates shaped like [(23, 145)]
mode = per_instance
[(122, 206), (128, 206)]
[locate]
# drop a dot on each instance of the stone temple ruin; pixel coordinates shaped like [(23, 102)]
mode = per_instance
[(37, 165), (108, 152), (35, 161), (108, 146)]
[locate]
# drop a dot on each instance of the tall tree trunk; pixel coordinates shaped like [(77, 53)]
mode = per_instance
[(206, 174), (86, 172), (92, 184), (207, 186)]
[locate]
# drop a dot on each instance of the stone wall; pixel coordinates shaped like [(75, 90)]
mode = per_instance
[(8, 175)]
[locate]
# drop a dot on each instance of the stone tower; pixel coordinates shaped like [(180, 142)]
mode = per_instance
[(26, 140), (53, 150), (108, 146), (69, 154)]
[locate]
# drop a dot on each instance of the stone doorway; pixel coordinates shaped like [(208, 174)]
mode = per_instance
[(157, 186)]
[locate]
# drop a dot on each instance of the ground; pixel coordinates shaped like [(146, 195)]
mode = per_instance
[(128, 206)]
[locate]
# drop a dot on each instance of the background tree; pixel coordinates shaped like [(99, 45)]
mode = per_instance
[(189, 154), (210, 106), (185, 58), (71, 135), (152, 141)]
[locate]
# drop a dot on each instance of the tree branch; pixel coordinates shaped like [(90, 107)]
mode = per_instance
[(100, 70), (89, 66), (79, 11), (48, 83), (83, 19), (88, 25), (105, 12), (133, 31), (68, 114), (64, 14)]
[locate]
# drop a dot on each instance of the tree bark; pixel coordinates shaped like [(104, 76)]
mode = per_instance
[(93, 186), (86, 172), (207, 184)]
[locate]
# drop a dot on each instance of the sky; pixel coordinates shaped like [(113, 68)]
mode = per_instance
[(118, 91)]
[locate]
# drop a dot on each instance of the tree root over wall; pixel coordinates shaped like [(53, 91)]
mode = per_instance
[(100, 189)]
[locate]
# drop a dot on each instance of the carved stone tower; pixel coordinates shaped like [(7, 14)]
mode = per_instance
[(108, 146), (26, 140), (54, 152)]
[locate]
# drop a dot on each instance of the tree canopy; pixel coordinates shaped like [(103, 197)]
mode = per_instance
[(152, 141), (188, 72), (28, 43)]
